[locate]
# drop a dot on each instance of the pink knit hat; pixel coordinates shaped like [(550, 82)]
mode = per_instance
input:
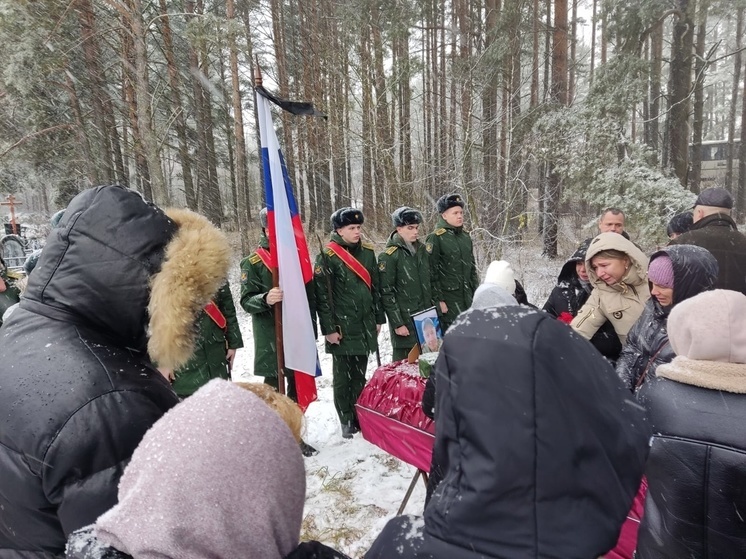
[(220, 475), (660, 271), (710, 326)]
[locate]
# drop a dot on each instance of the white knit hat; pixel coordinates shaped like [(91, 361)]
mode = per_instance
[(710, 326), (501, 274)]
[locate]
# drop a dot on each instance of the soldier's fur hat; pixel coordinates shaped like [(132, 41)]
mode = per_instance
[(406, 216), (448, 201), (346, 216), (263, 218)]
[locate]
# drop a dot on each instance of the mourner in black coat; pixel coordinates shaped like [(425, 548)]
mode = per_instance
[(696, 471), (715, 230), (119, 282), (694, 270), (543, 447), (571, 293)]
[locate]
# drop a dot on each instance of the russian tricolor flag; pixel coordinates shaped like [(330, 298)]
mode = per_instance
[(288, 244)]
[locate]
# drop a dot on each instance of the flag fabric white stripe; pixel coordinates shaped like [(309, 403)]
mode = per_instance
[(297, 326)]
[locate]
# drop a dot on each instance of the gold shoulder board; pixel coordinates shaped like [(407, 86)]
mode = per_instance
[(254, 259), (440, 231), (391, 250), (369, 246)]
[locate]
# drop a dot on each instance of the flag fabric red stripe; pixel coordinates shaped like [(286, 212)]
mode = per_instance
[(289, 250)]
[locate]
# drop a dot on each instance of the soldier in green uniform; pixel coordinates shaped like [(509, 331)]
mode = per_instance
[(404, 270), (215, 349), (9, 293), (452, 267), (258, 298), (349, 308)]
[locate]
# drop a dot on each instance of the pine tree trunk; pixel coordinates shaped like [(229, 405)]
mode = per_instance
[(150, 143), (177, 108), (679, 86), (653, 123), (559, 96), (142, 172), (699, 99), (734, 101), (741, 189)]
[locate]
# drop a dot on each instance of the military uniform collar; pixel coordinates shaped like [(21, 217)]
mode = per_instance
[(442, 223), (340, 241)]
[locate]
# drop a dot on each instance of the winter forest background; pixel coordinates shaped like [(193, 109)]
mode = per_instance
[(540, 112)]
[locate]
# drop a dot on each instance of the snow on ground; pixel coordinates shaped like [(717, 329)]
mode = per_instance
[(353, 487)]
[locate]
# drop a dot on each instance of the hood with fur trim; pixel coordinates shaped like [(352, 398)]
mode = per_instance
[(126, 269)]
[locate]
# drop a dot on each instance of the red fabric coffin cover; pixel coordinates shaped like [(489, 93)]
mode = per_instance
[(390, 413)]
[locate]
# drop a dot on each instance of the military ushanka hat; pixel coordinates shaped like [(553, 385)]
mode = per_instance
[(448, 201), (406, 216), (263, 218), (346, 216)]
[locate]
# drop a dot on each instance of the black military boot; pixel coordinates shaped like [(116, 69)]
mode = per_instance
[(348, 429), (307, 450)]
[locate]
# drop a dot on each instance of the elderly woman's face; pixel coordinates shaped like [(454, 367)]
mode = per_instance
[(609, 270)]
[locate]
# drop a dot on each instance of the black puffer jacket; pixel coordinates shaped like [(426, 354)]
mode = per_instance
[(534, 465), (569, 295), (695, 502), (694, 270), (718, 234), (77, 388)]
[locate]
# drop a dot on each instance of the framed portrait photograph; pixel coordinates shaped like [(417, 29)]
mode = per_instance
[(427, 327)]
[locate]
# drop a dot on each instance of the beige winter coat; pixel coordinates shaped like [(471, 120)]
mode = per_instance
[(622, 303)]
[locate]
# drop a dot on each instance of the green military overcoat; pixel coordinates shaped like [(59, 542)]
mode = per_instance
[(452, 269), (405, 286), (344, 303), (208, 361), (256, 281)]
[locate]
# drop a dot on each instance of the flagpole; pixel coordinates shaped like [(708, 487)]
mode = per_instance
[(276, 308)]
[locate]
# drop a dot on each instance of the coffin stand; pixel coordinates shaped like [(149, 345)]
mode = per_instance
[(389, 410)]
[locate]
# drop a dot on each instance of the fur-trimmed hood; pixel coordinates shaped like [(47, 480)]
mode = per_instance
[(129, 271)]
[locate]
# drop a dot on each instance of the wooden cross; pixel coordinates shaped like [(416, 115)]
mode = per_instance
[(11, 201)]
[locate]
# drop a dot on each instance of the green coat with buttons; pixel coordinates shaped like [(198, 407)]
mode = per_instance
[(344, 302), (452, 269), (256, 281), (405, 286), (209, 358)]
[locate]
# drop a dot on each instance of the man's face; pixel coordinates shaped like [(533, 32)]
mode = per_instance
[(431, 338), (350, 233), (409, 232), (454, 216), (610, 222)]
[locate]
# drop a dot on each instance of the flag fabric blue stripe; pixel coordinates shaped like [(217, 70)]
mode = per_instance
[(300, 342)]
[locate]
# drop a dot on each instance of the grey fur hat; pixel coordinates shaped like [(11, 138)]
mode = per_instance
[(406, 216), (346, 216), (448, 201), (263, 218)]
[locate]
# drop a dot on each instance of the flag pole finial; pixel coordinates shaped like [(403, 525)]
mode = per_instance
[(257, 73)]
